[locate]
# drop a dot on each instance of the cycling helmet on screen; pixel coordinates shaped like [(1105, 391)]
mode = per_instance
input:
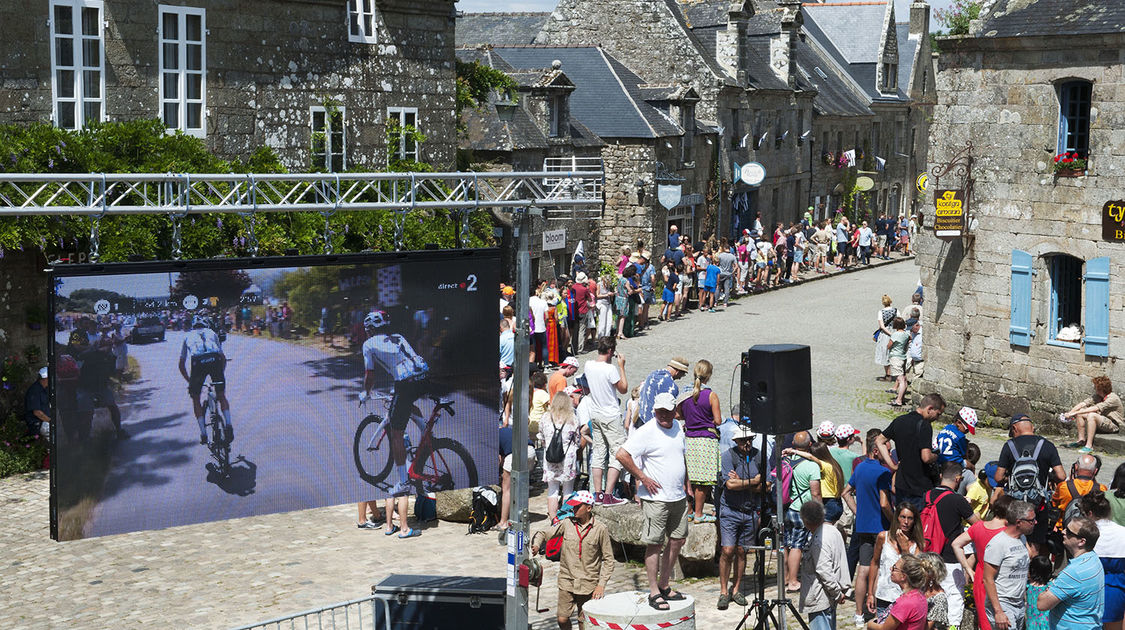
[(200, 321), (376, 319)]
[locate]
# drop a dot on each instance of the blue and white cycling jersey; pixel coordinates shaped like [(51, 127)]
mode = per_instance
[(951, 444), (395, 355)]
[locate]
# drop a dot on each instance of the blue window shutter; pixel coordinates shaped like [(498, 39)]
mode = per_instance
[(1097, 307), (1019, 330)]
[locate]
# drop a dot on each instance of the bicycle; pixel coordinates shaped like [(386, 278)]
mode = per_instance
[(434, 464), (219, 444)]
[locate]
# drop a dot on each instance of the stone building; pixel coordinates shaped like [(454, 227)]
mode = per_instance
[(1022, 312), (649, 132), (533, 130), (875, 83), (316, 80)]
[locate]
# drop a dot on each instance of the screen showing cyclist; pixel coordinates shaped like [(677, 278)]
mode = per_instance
[(390, 353), (205, 349)]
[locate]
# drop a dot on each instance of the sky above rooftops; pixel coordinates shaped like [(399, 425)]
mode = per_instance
[(902, 7)]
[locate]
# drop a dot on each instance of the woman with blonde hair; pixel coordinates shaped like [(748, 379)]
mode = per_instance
[(937, 605), (909, 609), (883, 330), (559, 476), (702, 417)]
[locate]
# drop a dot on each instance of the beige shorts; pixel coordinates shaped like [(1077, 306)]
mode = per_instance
[(1105, 425), (898, 367), (530, 460), (569, 601), (608, 435), (916, 368), (664, 520)]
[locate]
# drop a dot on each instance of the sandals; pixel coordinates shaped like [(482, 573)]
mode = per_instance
[(410, 533), (392, 531), (671, 595), (658, 602), (706, 518)]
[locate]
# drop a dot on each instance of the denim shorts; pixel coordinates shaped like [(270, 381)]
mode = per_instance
[(736, 528)]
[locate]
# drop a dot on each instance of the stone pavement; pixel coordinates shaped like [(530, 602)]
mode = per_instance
[(226, 574)]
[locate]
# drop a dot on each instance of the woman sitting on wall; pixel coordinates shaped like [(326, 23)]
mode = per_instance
[(1100, 413)]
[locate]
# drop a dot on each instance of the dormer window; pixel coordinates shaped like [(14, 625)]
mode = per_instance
[(889, 81), (555, 107)]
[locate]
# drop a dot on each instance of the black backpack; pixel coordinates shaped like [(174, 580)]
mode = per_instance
[(555, 453), (1072, 509), (1024, 482), (484, 512)]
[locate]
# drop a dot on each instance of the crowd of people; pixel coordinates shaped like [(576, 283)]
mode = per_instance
[(906, 522)]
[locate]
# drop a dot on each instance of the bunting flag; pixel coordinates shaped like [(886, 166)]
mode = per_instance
[(850, 156), (880, 163)]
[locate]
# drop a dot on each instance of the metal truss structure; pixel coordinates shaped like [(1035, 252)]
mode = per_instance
[(100, 194)]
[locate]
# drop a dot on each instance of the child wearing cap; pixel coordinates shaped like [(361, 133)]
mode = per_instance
[(586, 561), (951, 441)]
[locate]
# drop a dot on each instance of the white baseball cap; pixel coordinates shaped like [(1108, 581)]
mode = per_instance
[(826, 429), (664, 400)]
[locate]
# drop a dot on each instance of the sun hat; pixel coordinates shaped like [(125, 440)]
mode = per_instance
[(43, 372), (580, 278), (678, 363), (743, 432)]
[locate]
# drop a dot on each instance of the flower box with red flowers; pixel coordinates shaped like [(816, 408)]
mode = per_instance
[(1069, 164)]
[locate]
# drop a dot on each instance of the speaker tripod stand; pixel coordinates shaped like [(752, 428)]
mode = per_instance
[(771, 610)]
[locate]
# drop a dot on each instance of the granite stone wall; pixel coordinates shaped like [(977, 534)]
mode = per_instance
[(266, 65), (1002, 97)]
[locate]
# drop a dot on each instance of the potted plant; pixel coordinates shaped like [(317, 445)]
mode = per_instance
[(1069, 164), (35, 316)]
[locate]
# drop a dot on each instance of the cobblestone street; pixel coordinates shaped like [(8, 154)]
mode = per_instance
[(225, 574)]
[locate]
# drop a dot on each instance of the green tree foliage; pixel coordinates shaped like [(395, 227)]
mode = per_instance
[(82, 300), (146, 147), (307, 290), (475, 82), (958, 16)]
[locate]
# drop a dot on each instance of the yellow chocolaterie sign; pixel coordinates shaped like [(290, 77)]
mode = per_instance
[(949, 213)]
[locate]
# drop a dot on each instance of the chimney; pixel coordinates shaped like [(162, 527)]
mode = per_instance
[(783, 46), (919, 19), (730, 45)]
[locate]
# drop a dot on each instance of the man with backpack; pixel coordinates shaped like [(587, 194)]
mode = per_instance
[(1028, 465), (1081, 482), (943, 519)]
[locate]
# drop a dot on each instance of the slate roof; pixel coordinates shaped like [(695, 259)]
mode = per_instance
[(607, 97), (851, 34), (853, 28), (836, 96), (486, 131), (1016, 18), (498, 29), (704, 13)]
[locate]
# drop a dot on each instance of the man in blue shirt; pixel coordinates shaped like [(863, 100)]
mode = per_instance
[(868, 495), (951, 441), (1076, 597), (507, 344), (663, 380), (739, 505)]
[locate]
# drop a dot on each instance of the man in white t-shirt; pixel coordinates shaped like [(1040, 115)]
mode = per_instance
[(654, 455), (606, 381), (537, 306), (1005, 571)]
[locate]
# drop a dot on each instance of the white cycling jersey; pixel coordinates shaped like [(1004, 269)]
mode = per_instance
[(200, 341), (395, 355)]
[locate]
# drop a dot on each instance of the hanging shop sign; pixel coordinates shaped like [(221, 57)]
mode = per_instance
[(864, 183), (736, 173), (753, 173), (554, 239), (922, 183), (669, 195), (949, 213), (1113, 221)]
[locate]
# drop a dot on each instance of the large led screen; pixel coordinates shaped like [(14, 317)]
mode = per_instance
[(208, 390)]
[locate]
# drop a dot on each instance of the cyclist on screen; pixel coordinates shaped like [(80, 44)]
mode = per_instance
[(393, 354), (202, 344)]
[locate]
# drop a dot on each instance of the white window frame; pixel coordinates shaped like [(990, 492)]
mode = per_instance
[(363, 24), (328, 130), (80, 98), (400, 151), (180, 71)]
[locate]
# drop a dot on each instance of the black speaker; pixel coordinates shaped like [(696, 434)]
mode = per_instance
[(777, 388)]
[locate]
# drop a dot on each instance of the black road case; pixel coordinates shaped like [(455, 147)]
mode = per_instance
[(440, 602)]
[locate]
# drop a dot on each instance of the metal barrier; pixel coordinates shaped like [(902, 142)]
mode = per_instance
[(358, 614)]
